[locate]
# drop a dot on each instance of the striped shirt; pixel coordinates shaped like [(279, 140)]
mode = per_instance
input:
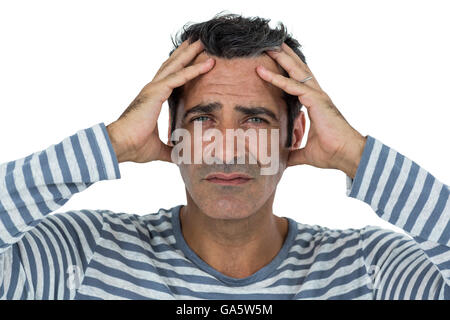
[(100, 254)]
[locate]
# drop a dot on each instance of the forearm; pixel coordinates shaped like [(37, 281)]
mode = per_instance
[(402, 193), (406, 195), (42, 182)]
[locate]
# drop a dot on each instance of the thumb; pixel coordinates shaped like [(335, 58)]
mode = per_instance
[(165, 153), (297, 157)]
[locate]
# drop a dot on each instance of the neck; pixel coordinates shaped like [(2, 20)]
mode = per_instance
[(235, 247)]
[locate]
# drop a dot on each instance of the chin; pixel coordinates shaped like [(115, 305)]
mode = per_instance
[(228, 208)]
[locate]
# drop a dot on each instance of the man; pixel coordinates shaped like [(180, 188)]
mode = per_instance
[(233, 73)]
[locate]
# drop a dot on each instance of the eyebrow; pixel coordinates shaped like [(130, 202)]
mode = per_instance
[(214, 106)]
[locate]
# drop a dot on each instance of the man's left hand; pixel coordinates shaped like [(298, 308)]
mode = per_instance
[(332, 143)]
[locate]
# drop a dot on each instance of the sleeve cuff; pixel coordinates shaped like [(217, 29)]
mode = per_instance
[(91, 149), (353, 186), (112, 169)]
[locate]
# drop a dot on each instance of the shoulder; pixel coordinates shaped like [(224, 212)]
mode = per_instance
[(85, 219), (94, 221), (366, 232), (381, 242), (76, 228), (376, 234), (366, 238), (322, 234), (148, 224)]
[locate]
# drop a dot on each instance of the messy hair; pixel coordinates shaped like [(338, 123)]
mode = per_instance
[(231, 36)]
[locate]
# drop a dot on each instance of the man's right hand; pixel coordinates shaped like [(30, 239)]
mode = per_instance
[(134, 136)]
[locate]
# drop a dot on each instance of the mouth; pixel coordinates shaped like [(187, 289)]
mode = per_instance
[(228, 179)]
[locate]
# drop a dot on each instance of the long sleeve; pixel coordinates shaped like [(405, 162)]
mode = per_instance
[(412, 266), (41, 253)]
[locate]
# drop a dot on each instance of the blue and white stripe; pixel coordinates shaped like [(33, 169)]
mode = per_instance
[(100, 254)]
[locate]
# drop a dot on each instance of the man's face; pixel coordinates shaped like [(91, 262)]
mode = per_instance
[(234, 87)]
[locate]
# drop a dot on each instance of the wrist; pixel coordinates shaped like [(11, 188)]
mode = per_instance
[(352, 158), (119, 147)]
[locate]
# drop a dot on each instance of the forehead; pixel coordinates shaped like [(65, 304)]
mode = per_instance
[(233, 81)]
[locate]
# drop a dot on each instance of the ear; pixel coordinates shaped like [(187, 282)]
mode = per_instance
[(298, 130)]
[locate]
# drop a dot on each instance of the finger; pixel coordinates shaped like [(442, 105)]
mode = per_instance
[(307, 95), (180, 48), (162, 73), (174, 54), (292, 66), (189, 49), (182, 59), (295, 56), (292, 53), (180, 77)]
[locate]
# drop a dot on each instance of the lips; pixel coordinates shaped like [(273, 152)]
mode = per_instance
[(228, 179)]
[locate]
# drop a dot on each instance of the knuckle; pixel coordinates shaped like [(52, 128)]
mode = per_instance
[(324, 96), (178, 65), (167, 82), (175, 74), (184, 77), (164, 64), (277, 78), (293, 82)]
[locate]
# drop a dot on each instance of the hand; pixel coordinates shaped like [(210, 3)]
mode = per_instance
[(134, 135), (332, 142)]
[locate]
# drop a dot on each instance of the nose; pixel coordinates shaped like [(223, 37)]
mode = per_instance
[(228, 144)]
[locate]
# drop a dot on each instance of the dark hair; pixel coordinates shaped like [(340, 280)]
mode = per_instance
[(231, 35)]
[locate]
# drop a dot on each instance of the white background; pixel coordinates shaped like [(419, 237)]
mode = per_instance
[(67, 65)]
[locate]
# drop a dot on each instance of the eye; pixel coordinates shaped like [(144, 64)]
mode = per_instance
[(258, 120), (201, 117)]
